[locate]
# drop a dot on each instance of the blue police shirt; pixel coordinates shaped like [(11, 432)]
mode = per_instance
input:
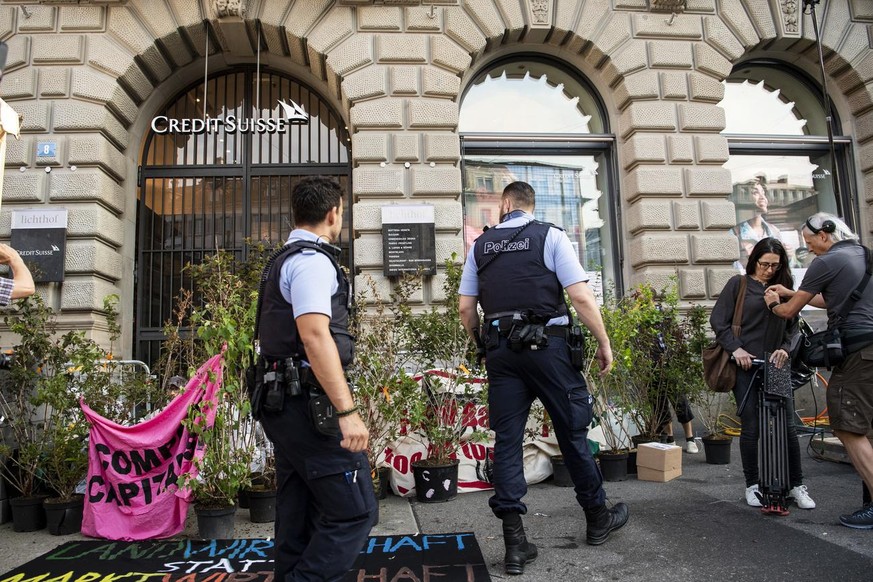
[(308, 279), (559, 257)]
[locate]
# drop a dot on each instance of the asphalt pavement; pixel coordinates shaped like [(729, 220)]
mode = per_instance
[(694, 528)]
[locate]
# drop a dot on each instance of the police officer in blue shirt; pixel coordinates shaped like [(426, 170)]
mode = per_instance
[(325, 505), (518, 272)]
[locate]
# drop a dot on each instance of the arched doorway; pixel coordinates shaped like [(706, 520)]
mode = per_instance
[(217, 169)]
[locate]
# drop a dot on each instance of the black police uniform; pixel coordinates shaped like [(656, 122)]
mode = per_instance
[(526, 359), (325, 505)]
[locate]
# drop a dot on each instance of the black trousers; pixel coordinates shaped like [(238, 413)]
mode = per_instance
[(514, 380), (325, 505), (661, 401)]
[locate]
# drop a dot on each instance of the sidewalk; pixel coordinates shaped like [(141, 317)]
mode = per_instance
[(395, 516), (696, 527)]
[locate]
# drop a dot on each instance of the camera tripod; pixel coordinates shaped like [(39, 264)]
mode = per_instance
[(774, 399)]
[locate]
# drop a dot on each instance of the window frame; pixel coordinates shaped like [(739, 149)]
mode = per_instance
[(567, 146), (767, 144)]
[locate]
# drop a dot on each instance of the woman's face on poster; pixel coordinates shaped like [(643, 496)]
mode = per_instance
[(760, 196)]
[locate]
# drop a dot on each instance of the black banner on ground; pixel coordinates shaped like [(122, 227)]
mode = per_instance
[(454, 557)]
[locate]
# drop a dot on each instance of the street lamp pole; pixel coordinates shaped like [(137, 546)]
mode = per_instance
[(829, 118)]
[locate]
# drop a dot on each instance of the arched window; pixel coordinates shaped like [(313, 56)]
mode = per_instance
[(533, 120), (214, 179), (780, 160)]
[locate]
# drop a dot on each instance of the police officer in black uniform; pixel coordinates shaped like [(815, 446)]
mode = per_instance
[(518, 271), (325, 505)]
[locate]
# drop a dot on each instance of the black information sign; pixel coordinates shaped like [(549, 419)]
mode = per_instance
[(40, 237), (408, 239)]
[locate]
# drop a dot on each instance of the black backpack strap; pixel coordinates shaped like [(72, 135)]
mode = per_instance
[(859, 290), (283, 253)]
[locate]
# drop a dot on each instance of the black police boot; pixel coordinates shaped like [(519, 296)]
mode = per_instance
[(602, 521), (518, 550)]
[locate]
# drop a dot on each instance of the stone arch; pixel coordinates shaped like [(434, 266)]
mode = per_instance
[(395, 71), (848, 62)]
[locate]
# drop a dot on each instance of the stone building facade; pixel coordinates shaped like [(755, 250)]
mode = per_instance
[(90, 77)]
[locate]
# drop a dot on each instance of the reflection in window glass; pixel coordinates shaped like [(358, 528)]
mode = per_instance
[(529, 97), (776, 190), (567, 195), (752, 108), (518, 99)]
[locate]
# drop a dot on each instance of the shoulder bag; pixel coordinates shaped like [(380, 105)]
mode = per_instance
[(719, 372), (828, 348)]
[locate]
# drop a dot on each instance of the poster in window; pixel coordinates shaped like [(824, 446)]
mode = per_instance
[(773, 196)]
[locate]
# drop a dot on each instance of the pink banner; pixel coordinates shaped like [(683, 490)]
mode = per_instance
[(132, 491)]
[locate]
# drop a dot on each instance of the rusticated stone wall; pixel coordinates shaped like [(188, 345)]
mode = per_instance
[(90, 75)]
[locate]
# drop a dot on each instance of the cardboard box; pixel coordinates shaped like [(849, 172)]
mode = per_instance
[(644, 474), (658, 462)]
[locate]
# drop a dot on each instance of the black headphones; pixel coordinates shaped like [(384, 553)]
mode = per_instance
[(827, 226)]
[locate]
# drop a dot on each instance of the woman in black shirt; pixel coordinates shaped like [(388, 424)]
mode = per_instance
[(761, 332)]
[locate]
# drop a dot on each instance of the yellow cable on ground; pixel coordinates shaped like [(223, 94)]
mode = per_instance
[(821, 419), (729, 425)]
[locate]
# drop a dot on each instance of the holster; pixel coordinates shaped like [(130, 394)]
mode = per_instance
[(528, 335), (576, 343), (519, 331), (270, 382), (322, 413)]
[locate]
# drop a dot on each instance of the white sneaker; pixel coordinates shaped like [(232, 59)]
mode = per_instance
[(691, 447), (801, 497), (751, 498)]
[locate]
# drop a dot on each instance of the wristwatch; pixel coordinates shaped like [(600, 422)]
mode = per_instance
[(772, 306)]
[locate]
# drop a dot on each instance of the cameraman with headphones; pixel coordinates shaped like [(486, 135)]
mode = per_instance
[(832, 278)]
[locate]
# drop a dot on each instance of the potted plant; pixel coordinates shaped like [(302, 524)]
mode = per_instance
[(618, 406), (657, 351), (710, 407), (48, 375), (223, 321), (260, 494), (383, 388), (652, 318), (442, 351), (23, 415), (72, 372)]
